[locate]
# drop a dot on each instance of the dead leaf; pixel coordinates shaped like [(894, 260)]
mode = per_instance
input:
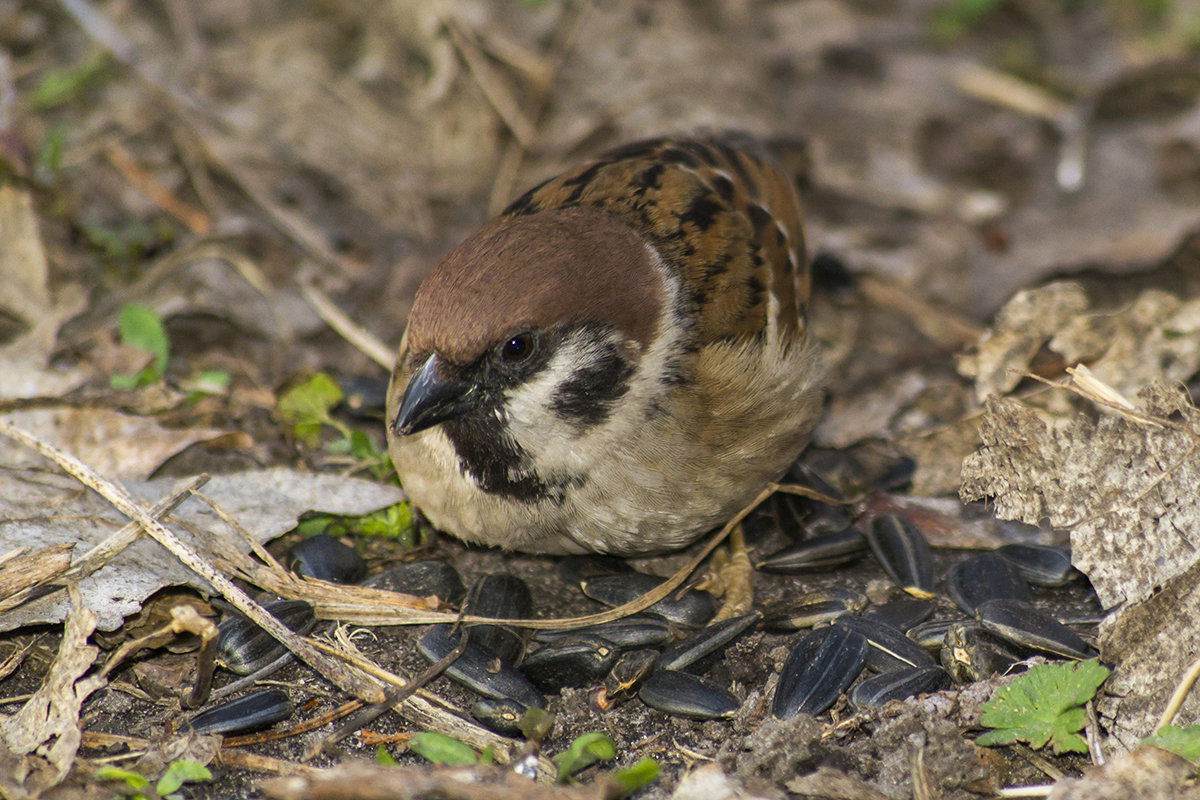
[(1147, 773), (41, 510), (1152, 643), (1004, 353), (48, 724), (1157, 337), (1125, 486), (119, 445), (828, 783), (1125, 489), (33, 316), (708, 782)]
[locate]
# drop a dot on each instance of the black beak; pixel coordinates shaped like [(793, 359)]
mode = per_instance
[(430, 399)]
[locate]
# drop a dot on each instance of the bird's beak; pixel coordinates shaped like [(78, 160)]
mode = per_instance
[(429, 399)]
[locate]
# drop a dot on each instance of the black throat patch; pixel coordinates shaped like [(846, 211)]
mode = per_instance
[(488, 453)]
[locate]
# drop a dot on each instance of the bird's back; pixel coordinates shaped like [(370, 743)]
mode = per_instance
[(719, 210)]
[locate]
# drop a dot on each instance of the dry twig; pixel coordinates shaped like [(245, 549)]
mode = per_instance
[(351, 681)]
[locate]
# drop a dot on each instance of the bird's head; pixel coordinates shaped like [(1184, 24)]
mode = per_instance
[(534, 323)]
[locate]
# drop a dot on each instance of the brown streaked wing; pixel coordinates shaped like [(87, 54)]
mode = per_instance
[(718, 210)]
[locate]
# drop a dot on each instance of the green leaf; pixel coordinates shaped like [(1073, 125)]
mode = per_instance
[(127, 243), (536, 723), (143, 377), (49, 154), (180, 772), (392, 522), (958, 17), (636, 776), (212, 381), (1043, 706), (1183, 742), (134, 780), (141, 328), (442, 749), (583, 752), (363, 447), (383, 758), (59, 86), (306, 406)]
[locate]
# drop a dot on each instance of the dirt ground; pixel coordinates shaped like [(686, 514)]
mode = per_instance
[(220, 162)]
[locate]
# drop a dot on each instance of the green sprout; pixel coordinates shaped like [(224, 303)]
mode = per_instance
[(141, 328)]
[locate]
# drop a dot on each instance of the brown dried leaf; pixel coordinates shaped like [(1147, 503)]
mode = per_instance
[(1157, 337), (1125, 485), (1153, 642), (1147, 773), (27, 569), (29, 315), (1126, 489), (828, 783), (48, 723), (1031, 317), (119, 445), (42, 509)]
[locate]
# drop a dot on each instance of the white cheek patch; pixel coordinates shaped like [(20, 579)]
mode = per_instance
[(558, 445), (552, 442)]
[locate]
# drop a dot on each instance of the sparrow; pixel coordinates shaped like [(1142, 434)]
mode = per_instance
[(619, 362)]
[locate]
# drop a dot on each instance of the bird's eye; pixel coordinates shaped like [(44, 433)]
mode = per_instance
[(518, 348)]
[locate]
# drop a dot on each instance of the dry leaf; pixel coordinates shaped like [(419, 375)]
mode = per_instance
[(1031, 317), (41, 510), (25, 299), (48, 724), (1125, 486), (1125, 489), (1157, 337), (1152, 642), (121, 446), (1147, 773)]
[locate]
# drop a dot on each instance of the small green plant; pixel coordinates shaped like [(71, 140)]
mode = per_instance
[(636, 776), (595, 746), (60, 86), (1183, 742), (128, 242), (394, 522), (211, 381), (955, 18), (178, 773), (48, 160), (536, 723), (446, 751), (1043, 706), (308, 408), (140, 327), (363, 449), (583, 752)]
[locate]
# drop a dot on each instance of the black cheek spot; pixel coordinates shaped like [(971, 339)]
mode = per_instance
[(586, 399)]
